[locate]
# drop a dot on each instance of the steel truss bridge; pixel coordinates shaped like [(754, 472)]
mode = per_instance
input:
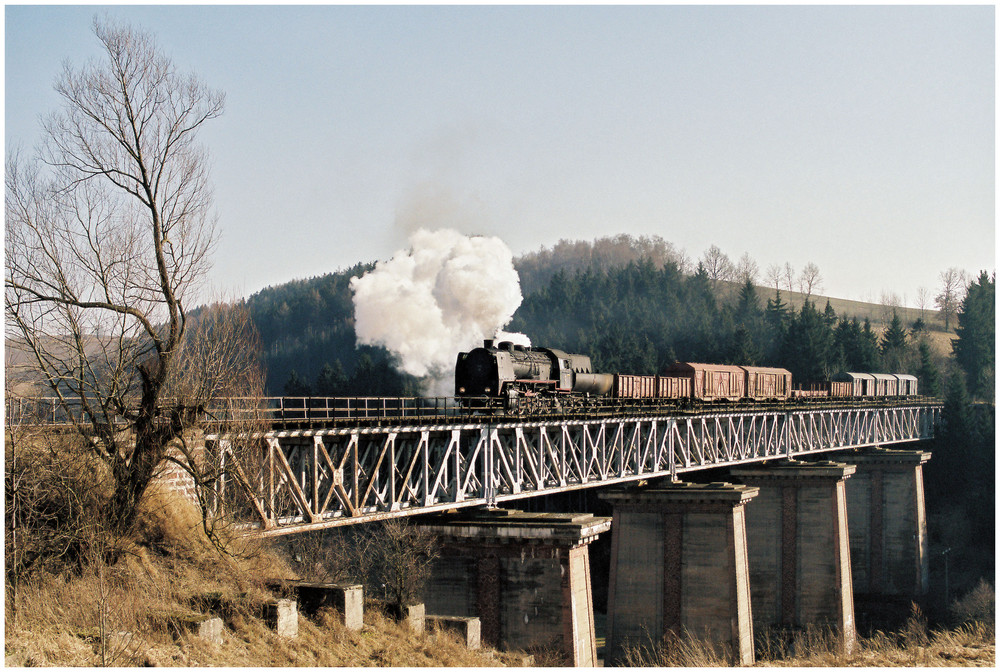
[(316, 478)]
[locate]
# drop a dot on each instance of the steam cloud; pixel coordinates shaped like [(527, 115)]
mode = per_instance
[(444, 295)]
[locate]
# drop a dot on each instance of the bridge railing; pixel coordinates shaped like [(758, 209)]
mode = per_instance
[(321, 409), (42, 410), (311, 410), (52, 410)]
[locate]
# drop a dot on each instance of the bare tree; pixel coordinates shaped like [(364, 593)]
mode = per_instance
[(398, 557), (889, 305), (810, 279), (746, 270), (773, 276), (684, 263), (717, 265), (923, 300), (788, 275), (108, 240), (953, 282)]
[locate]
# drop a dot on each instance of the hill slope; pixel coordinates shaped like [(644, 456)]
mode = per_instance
[(126, 613)]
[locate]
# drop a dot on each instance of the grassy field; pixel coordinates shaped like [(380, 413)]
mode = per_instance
[(878, 313)]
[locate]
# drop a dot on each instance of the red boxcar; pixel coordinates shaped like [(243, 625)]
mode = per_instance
[(767, 383), (669, 387), (710, 382), (627, 386)]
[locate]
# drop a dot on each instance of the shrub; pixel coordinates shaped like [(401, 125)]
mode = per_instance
[(56, 497), (977, 606)]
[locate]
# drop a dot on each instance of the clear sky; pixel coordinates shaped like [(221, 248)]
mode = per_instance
[(858, 138)]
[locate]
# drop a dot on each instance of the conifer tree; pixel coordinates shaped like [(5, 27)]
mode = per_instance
[(744, 351), (928, 375), (808, 345), (867, 352), (958, 434), (845, 342), (829, 315), (747, 304), (296, 387), (776, 312), (975, 346), (364, 382), (331, 380), (893, 345)]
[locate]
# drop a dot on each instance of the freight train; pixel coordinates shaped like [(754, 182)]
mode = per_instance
[(509, 373)]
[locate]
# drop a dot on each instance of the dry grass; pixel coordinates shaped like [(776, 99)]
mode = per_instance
[(124, 613), (678, 651), (878, 313), (969, 645)]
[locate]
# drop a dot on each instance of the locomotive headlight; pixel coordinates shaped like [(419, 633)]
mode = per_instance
[(461, 390), (488, 390)]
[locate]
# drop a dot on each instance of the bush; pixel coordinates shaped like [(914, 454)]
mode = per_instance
[(391, 558), (56, 496), (977, 606)]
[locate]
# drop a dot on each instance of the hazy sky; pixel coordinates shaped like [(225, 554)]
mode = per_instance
[(857, 138)]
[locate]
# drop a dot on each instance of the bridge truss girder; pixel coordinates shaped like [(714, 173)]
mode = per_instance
[(312, 479)]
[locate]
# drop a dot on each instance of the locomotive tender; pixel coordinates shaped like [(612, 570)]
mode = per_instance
[(506, 371)]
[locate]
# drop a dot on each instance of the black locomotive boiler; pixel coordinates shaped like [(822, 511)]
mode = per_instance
[(509, 371)]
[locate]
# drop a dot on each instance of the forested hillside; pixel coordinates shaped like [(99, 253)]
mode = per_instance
[(638, 318), (308, 341), (632, 304), (537, 268)]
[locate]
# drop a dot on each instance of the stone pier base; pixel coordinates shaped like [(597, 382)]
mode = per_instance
[(346, 600), (800, 563), (466, 627), (679, 565), (282, 616), (888, 523), (525, 575)]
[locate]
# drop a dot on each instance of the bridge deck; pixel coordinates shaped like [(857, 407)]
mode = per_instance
[(316, 477)]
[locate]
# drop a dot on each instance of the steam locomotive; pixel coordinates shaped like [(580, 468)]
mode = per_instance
[(511, 374)]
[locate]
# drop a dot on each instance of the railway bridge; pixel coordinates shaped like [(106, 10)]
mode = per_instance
[(373, 459), (820, 502)]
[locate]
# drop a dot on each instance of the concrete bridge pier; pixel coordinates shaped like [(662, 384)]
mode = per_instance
[(525, 575), (800, 562), (679, 565), (888, 523)]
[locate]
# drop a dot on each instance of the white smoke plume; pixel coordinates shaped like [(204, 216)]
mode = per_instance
[(442, 296)]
